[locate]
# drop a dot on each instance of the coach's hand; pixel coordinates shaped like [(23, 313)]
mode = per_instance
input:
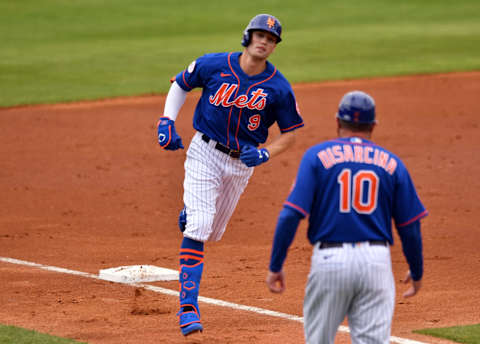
[(167, 136), (416, 285), (276, 281), (252, 156)]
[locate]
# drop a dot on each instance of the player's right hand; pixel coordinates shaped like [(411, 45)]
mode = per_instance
[(276, 281), (167, 136)]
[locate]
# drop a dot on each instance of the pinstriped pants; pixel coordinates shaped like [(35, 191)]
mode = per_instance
[(213, 185), (353, 282)]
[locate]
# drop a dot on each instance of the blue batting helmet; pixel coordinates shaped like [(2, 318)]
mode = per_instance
[(264, 22), (357, 107)]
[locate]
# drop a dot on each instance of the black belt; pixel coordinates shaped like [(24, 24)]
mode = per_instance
[(224, 149), (340, 244)]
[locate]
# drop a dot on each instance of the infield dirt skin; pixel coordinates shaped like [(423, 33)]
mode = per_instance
[(85, 187)]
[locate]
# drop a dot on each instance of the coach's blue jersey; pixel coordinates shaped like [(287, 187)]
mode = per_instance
[(351, 189), (236, 109)]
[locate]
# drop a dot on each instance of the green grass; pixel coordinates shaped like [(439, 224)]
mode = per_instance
[(63, 50), (461, 334), (11, 334)]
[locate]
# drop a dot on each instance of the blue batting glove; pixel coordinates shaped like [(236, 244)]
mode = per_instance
[(252, 156), (167, 136)]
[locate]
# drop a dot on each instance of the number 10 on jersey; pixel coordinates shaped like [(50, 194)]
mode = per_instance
[(359, 192)]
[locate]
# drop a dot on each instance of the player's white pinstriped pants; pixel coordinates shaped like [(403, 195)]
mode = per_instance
[(356, 282), (213, 185)]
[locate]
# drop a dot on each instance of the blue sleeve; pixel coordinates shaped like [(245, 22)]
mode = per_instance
[(407, 207), (302, 195), (288, 114), (411, 238), (192, 76), (287, 225)]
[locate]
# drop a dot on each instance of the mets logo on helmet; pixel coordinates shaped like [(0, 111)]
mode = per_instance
[(270, 22), (356, 116), (225, 92)]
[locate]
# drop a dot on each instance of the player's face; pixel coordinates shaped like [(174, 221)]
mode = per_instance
[(262, 44)]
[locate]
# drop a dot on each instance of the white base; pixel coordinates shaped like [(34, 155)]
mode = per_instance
[(138, 273)]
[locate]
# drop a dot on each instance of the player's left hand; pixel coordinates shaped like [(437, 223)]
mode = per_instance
[(167, 136), (416, 285), (276, 281), (252, 156)]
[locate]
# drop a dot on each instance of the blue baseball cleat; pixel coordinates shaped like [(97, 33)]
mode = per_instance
[(189, 322)]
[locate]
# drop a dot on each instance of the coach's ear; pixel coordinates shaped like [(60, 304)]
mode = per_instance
[(372, 126)]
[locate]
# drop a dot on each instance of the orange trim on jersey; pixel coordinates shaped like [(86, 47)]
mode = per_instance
[(187, 256), (231, 108), (191, 251), (292, 127), (296, 207), (418, 217), (185, 81), (246, 93)]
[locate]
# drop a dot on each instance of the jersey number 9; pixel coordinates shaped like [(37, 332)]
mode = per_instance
[(254, 122)]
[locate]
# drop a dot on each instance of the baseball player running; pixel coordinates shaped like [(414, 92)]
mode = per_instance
[(351, 188), (243, 95)]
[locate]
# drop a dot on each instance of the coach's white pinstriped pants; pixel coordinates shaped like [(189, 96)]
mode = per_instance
[(356, 282), (213, 185)]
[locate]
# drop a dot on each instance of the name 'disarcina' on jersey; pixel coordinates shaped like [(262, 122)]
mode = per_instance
[(360, 154)]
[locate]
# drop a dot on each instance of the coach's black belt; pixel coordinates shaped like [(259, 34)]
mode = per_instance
[(224, 149), (340, 244)]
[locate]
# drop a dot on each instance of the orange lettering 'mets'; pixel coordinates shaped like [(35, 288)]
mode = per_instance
[(225, 92), (338, 154)]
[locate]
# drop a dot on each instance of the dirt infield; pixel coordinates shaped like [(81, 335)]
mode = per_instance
[(86, 187)]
